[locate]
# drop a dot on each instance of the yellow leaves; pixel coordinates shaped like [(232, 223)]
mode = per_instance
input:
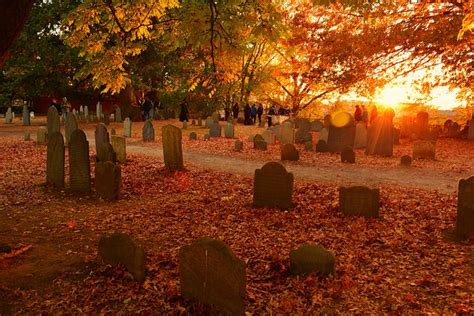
[(467, 25)]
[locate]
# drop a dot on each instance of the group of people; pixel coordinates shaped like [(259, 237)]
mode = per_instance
[(361, 114), (251, 113)]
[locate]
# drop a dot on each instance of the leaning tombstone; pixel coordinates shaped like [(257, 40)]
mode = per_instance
[(359, 201), (172, 148), (127, 127), (341, 132), (229, 130), (193, 136), (70, 126), (310, 258), (79, 165), (238, 145), (259, 143), (211, 274), (424, 149), (41, 135), (290, 153), (148, 132), (465, 208), (348, 155), (215, 130), (53, 121), (273, 186), (26, 116), (55, 160), (119, 146), (107, 180), (120, 248)]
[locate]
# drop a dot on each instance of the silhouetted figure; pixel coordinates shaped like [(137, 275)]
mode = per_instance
[(253, 113), (183, 115), (358, 114), (235, 111), (271, 112), (247, 115), (260, 113)]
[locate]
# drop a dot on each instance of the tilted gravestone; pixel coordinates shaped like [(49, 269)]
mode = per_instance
[(103, 149), (127, 127), (120, 248), (380, 137), (341, 132), (287, 133), (348, 155), (310, 258), (70, 126), (259, 143), (172, 147), (269, 136), (193, 136), (55, 160), (273, 186), (424, 149), (229, 130), (359, 201), (322, 147), (26, 116), (53, 121), (360, 140), (148, 132), (465, 209), (211, 274), (119, 147), (107, 180), (317, 126), (41, 135), (79, 165), (289, 152), (238, 145), (215, 130), (118, 115)]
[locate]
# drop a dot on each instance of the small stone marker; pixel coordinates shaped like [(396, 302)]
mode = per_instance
[(215, 130), (127, 127), (348, 155), (193, 122), (424, 149), (259, 143), (238, 145), (289, 152), (41, 135), (193, 136), (79, 165), (273, 186), (148, 132), (53, 121), (120, 148), (172, 147), (26, 116), (465, 209), (70, 126), (405, 161), (359, 201), (120, 248), (229, 130), (26, 136), (55, 160), (322, 146), (107, 180), (211, 274), (310, 258)]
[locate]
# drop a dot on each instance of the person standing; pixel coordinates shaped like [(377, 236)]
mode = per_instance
[(253, 113), (260, 113), (183, 115), (235, 111), (365, 115), (271, 113), (247, 115)]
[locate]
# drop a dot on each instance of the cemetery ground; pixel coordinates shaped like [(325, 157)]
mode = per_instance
[(400, 263)]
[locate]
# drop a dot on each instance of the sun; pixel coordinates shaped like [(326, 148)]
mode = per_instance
[(392, 96)]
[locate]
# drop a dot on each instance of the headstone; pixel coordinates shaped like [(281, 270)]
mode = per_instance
[(422, 127), (289, 152), (424, 149), (53, 121), (199, 122), (192, 136), (106, 117), (98, 111), (308, 146), (86, 113), (26, 136), (107, 180), (273, 186), (310, 258), (41, 135), (238, 145), (9, 116), (81, 110), (215, 130), (360, 135), (172, 148), (348, 155), (127, 127), (13, 116), (70, 126), (359, 201), (211, 274), (287, 135), (148, 132), (341, 132), (229, 130), (302, 123), (105, 152), (101, 142), (322, 147), (251, 138), (380, 137), (269, 136), (55, 160), (259, 143), (118, 115), (323, 135), (405, 161), (26, 116), (208, 122), (79, 165), (215, 117), (119, 146), (185, 125), (120, 248), (465, 209), (303, 135), (317, 126)]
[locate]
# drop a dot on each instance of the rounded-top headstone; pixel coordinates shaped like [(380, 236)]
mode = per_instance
[(312, 259)]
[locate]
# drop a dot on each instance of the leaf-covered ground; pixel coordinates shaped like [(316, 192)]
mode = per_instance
[(397, 264)]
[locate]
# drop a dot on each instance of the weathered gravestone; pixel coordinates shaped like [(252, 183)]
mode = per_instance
[(199, 122), (323, 135), (251, 138), (308, 146), (106, 118), (55, 160), (120, 148), (208, 122), (9, 116), (287, 133), (310, 258), (322, 146), (86, 113), (424, 149), (273, 186), (193, 136), (120, 248), (41, 135), (215, 130), (26, 136), (118, 115), (229, 130), (360, 140), (193, 122), (380, 137), (289, 152), (238, 145), (79, 165), (148, 132), (127, 127), (53, 121), (269, 136), (317, 126), (211, 274), (172, 148), (405, 161), (302, 136), (465, 209), (185, 125), (359, 201), (303, 123), (26, 116), (421, 126), (348, 155), (103, 149), (70, 126), (107, 180), (259, 143), (98, 110), (341, 132)]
